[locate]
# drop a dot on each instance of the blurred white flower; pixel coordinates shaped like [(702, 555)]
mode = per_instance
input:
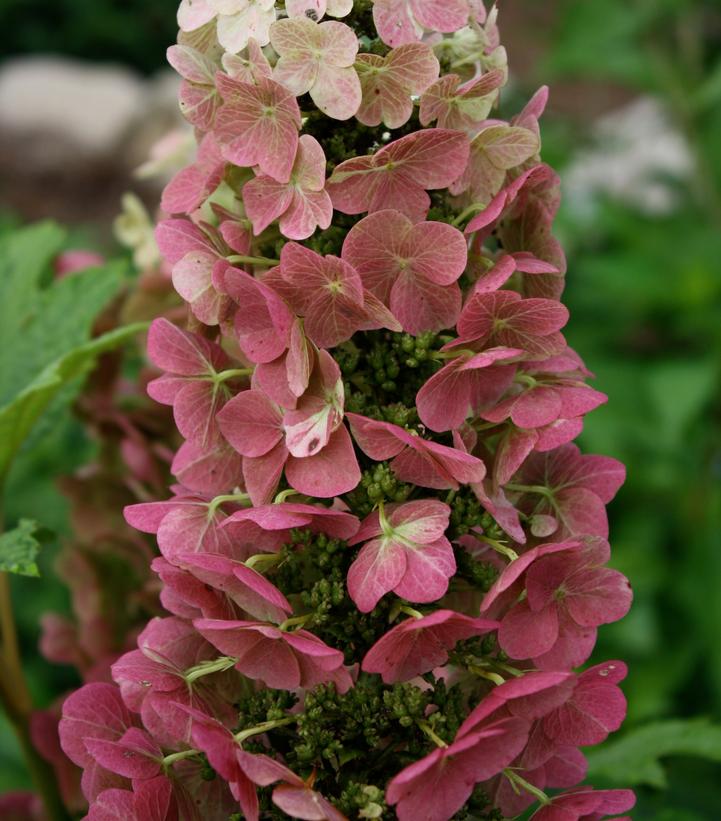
[(637, 157)]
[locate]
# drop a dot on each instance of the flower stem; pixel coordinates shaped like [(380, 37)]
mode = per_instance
[(17, 704), (496, 678), (207, 668), (295, 621), (262, 561), (264, 727), (232, 373), (410, 611), (518, 781), (500, 548), (540, 489), (437, 740), (216, 502), (169, 760), (239, 259), (474, 208)]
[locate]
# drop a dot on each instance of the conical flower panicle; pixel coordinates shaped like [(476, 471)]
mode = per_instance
[(384, 559)]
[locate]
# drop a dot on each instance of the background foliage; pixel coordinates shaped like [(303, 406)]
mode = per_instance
[(644, 289)]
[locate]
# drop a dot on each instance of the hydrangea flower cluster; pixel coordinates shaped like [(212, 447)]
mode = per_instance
[(384, 561)]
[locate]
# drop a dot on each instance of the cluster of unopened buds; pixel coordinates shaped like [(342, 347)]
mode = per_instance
[(384, 560)]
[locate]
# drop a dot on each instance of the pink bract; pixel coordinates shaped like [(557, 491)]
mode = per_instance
[(416, 646), (302, 204), (398, 175), (411, 268), (258, 125), (282, 660), (412, 557), (417, 460), (387, 83), (318, 58), (399, 21)]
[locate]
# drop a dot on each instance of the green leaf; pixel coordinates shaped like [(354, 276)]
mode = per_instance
[(42, 317), (19, 548), (635, 758), (43, 321), (18, 417)]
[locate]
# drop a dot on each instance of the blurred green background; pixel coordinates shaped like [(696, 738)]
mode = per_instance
[(634, 127)]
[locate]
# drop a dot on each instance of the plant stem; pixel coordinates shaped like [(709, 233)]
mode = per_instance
[(16, 701), (239, 259), (427, 729)]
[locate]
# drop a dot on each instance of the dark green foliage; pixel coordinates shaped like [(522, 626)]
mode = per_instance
[(133, 32)]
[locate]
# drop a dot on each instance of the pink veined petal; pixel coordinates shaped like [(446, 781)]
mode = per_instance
[(258, 125), (446, 17), (192, 529), (415, 266), (463, 385), (113, 805), (420, 461), (428, 569), (191, 186), (376, 439), (394, 23), (261, 650), (175, 237), (438, 465), (263, 324), (587, 804), (397, 176), (422, 521), (266, 199), (416, 646), (599, 596), (525, 633), (330, 472), (134, 755), (572, 648), (181, 352), (210, 470), (387, 83), (518, 566), (148, 516), (251, 423), (248, 589), (305, 803), (193, 280), (337, 91), (196, 409), (308, 210), (377, 570), (263, 473), (94, 711), (513, 448), (422, 305), (596, 708)]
